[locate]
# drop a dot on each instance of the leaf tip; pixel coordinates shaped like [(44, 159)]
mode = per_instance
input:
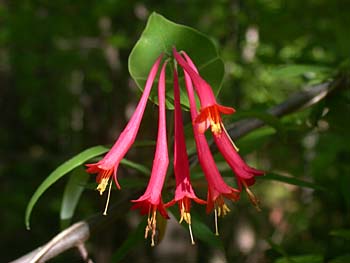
[(27, 223)]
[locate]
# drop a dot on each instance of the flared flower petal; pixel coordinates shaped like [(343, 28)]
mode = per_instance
[(210, 116), (108, 166), (245, 174), (217, 188), (210, 111), (184, 192), (151, 201)]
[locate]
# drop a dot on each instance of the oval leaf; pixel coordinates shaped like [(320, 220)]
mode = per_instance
[(59, 172), (160, 36)]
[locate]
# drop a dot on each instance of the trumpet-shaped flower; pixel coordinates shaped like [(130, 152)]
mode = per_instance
[(210, 112), (184, 192), (108, 166), (151, 201), (217, 188), (245, 175)]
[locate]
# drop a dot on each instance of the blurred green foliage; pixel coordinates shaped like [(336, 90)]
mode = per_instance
[(65, 86)]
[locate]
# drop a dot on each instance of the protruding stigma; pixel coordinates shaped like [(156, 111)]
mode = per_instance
[(216, 222), (187, 217), (108, 197)]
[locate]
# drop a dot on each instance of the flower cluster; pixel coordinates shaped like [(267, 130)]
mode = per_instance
[(207, 116)]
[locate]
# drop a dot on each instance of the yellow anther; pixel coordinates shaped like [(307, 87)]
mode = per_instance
[(215, 127), (187, 217), (223, 210), (151, 226), (102, 185)]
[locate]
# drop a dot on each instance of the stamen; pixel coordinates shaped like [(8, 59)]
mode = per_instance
[(187, 217), (108, 197), (216, 222), (255, 201), (215, 120), (215, 127), (154, 224), (223, 210), (102, 185), (148, 227), (191, 235), (151, 225)]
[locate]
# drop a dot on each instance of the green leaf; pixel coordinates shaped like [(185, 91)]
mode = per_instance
[(344, 233), (160, 36), (264, 116), (295, 70), (255, 139), (301, 259), (72, 192), (133, 239), (291, 180), (59, 172), (138, 167)]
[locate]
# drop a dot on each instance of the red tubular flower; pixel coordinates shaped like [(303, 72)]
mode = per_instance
[(217, 188), (245, 175), (210, 111), (151, 200), (184, 193), (109, 164)]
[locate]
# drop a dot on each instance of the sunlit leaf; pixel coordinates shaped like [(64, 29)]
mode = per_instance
[(160, 36), (58, 173)]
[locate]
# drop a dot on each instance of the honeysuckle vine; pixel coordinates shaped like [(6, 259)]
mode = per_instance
[(207, 116), (80, 232)]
